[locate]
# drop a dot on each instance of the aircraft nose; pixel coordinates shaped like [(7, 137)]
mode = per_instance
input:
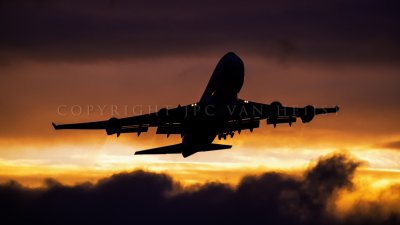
[(231, 59), (231, 55)]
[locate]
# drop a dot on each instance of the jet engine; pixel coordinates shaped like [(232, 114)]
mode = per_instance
[(308, 114), (113, 126)]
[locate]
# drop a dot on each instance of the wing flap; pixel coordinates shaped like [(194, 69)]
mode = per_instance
[(240, 125), (170, 129)]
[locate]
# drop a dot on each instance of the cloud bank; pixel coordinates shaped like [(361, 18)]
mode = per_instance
[(141, 197)]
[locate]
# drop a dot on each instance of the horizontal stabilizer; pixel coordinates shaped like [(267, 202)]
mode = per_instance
[(212, 147), (170, 149), (180, 148)]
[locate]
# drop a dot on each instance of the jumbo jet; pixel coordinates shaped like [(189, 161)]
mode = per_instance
[(218, 113)]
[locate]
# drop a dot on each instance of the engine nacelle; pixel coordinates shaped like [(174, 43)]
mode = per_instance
[(308, 114), (275, 108), (113, 126)]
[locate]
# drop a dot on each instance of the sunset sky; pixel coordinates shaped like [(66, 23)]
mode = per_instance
[(68, 62)]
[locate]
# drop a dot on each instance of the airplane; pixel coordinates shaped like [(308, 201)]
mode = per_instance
[(218, 113)]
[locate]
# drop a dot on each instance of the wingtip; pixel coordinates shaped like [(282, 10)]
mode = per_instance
[(337, 108), (139, 152), (54, 126)]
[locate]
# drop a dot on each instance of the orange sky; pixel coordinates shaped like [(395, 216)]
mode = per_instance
[(31, 149)]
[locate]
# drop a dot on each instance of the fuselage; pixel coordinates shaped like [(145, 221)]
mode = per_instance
[(225, 83)]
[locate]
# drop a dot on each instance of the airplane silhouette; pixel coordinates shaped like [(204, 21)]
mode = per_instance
[(218, 113)]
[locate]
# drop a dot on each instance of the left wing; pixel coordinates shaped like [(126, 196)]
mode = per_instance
[(136, 124)]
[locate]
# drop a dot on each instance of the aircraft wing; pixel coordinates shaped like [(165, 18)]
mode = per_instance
[(243, 115), (247, 115), (83, 126), (276, 113), (170, 118), (284, 114)]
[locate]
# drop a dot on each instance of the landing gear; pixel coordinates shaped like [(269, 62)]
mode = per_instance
[(225, 134)]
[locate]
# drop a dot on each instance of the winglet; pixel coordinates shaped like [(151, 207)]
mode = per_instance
[(54, 125)]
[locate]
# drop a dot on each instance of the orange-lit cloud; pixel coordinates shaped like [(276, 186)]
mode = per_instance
[(326, 191)]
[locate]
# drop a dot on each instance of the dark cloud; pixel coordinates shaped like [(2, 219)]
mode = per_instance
[(380, 211), (87, 30), (142, 197)]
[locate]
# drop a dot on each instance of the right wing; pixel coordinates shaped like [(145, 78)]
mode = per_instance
[(247, 115)]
